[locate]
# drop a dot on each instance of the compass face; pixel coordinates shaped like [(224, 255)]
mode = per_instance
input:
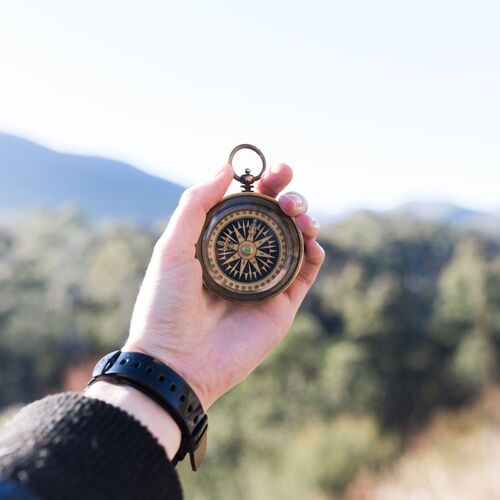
[(246, 247), (249, 251)]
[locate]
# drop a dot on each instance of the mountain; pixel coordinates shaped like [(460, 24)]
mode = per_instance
[(33, 176), (452, 215), (443, 213)]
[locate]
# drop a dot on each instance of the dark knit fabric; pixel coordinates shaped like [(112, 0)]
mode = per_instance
[(12, 490), (69, 447)]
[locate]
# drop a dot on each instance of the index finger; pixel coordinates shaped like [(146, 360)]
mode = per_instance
[(275, 180)]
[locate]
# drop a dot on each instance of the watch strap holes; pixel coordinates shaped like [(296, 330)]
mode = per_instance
[(137, 364), (149, 370), (124, 361), (161, 377), (173, 387), (182, 397)]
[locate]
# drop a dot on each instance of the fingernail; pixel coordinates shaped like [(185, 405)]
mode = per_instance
[(274, 169), (298, 201), (315, 223)]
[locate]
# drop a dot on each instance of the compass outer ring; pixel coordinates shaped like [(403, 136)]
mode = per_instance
[(242, 199)]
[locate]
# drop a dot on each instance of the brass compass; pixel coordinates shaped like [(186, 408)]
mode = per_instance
[(249, 249)]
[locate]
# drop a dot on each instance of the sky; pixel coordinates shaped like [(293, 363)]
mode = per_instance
[(372, 103)]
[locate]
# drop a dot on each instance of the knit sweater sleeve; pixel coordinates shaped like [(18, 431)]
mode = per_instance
[(68, 446)]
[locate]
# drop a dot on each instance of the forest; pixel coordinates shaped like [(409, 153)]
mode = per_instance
[(403, 322)]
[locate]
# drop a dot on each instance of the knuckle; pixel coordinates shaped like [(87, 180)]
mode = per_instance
[(188, 196), (303, 204), (315, 225), (304, 278)]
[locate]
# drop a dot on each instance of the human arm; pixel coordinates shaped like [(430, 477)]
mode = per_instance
[(212, 344)]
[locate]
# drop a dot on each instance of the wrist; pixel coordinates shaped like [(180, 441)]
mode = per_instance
[(169, 390), (161, 425), (176, 364)]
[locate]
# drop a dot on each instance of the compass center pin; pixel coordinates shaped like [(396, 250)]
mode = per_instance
[(247, 250)]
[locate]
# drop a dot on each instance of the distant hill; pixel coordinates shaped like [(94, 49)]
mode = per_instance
[(443, 213), (452, 215), (33, 176)]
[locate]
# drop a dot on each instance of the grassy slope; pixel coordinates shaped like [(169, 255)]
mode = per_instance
[(456, 458)]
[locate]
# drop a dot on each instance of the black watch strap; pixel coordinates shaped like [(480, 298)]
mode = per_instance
[(168, 389)]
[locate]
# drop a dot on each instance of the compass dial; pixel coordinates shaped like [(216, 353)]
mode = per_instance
[(244, 250), (249, 249)]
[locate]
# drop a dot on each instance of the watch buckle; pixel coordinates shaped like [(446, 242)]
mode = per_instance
[(197, 456)]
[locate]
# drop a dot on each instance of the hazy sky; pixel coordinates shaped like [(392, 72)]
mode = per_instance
[(372, 102)]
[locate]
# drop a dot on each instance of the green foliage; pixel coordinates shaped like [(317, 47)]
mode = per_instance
[(327, 456), (403, 320), (66, 293), (467, 314)]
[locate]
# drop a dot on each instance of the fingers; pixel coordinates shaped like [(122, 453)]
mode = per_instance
[(177, 243), (313, 258), (293, 204), (308, 225), (275, 180)]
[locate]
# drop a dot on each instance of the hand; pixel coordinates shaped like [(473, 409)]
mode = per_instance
[(214, 344)]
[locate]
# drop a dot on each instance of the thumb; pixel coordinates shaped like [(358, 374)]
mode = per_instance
[(177, 243)]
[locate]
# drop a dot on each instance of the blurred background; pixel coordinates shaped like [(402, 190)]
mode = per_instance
[(387, 385)]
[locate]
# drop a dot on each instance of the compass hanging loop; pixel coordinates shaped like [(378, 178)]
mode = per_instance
[(247, 179)]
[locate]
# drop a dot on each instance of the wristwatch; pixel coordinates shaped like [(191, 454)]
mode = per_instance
[(168, 389)]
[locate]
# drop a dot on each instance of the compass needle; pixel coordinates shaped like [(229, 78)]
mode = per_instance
[(260, 253), (243, 264), (238, 235), (230, 238), (262, 241), (255, 264), (232, 259), (261, 230)]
